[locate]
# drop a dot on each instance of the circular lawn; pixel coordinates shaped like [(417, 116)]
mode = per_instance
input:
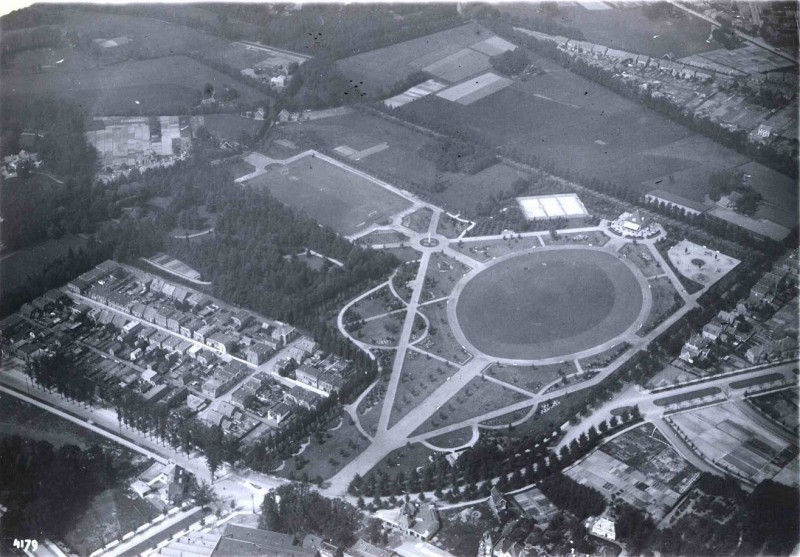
[(548, 304)]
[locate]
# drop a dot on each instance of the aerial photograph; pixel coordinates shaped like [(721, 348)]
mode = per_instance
[(399, 279)]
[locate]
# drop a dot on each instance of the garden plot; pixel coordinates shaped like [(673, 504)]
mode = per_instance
[(475, 88), (700, 264), (727, 435), (416, 92)]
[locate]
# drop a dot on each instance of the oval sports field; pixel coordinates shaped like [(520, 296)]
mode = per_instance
[(548, 304)]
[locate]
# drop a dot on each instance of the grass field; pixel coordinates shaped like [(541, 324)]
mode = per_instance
[(531, 378), (443, 273), (606, 357), (440, 339), (332, 195), (382, 331), (477, 397), (16, 267), (168, 85), (419, 220), (666, 301), (594, 238), (380, 301), (405, 459), (579, 299), (227, 126), (420, 376), (381, 237), (627, 28)]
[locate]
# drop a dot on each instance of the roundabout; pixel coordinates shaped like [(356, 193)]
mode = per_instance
[(548, 303)]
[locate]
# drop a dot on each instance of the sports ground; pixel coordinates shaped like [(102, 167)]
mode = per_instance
[(335, 197), (548, 304)]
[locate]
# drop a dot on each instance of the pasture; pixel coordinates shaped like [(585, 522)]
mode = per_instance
[(574, 123), (626, 27), (168, 85), (335, 197), (549, 303)]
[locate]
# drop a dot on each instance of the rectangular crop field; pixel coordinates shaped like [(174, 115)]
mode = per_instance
[(417, 91), (460, 65), (334, 196), (475, 89)]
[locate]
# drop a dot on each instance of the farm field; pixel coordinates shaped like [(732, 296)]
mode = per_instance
[(444, 54), (626, 27), (168, 85), (420, 376), (333, 196), (574, 123), (727, 435), (477, 397), (580, 298), (780, 406), (18, 266), (531, 378)]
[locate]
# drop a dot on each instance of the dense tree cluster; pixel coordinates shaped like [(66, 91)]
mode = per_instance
[(511, 62), (763, 522), (297, 509), (454, 155), (45, 489), (567, 494)]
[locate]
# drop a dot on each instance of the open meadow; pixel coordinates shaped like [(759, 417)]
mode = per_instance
[(330, 194)]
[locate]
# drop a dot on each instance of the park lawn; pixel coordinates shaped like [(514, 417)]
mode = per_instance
[(484, 251), (442, 275), (383, 331), (666, 301), (377, 303), (450, 227), (531, 378), (241, 168), (452, 439), (440, 340), (400, 280), (381, 237), (477, 397), (420, 376), (111, 514), (168, 85), (369, 410), (405, 459), (593, 238), (17, 267), (419, 220), (464, 192), (405, 254), (641, 256), (328, 451), (335, 197), (605, 357)]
